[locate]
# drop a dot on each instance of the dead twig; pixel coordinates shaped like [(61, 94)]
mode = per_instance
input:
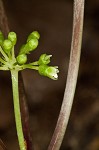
[(2, 145)]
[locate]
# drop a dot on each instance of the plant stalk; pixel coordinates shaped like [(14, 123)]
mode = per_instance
[(25, 113), (4, 27), (14, 76), (64, 115), (2, 145)]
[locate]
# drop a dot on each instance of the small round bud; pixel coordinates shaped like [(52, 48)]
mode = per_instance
[(12, 37), (32, 44), (21, 59), (7, 45), (33, 35), (1, 38)]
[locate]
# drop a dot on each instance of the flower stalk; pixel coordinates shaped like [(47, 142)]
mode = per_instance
[(22, 143)]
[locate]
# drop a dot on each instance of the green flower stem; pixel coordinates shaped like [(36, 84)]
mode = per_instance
[(29, 66), (13, 55), (3, 53), (34, 63), (4, 68), (2, 61), (14, 75)]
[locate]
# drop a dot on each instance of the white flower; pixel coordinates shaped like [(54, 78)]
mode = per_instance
[(52, 72), (49, 71)]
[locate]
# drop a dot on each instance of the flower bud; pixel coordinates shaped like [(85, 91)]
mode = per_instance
[(33, 35), (12, 37), (49, 71), (44, 59), (21, 59), (7, 45), (30, 46), (1, 38)]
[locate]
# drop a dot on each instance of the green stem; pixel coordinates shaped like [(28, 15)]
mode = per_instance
[(13, 54), (2, 61), (4, 68), (34, 63), (3, 53), (14, 75), (29, 66)]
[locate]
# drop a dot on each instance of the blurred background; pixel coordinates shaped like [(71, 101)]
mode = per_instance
[(53, 20)]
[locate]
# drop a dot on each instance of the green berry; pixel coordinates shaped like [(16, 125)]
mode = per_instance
[(21, 59), (33, 35), (1, 38), (7, 45), (12, 37)]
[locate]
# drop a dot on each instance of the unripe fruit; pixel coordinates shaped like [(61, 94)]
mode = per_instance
[(21, 59)]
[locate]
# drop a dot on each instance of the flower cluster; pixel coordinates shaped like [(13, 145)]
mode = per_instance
[(10, 62)]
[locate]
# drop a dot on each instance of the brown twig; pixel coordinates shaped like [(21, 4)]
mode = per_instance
[(71, 78), (25, 115), (4, 27), (2, 145)]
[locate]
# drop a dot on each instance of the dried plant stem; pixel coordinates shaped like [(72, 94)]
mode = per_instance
[(25, 114), (72, 76), (3, 20), (2, 145)]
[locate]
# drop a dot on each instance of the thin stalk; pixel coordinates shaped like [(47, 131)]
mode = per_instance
[(2, 61), (71, 78), (30, 67), (4, 27), (2, 145), (14, 76), (3, 53), (25, 114)]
